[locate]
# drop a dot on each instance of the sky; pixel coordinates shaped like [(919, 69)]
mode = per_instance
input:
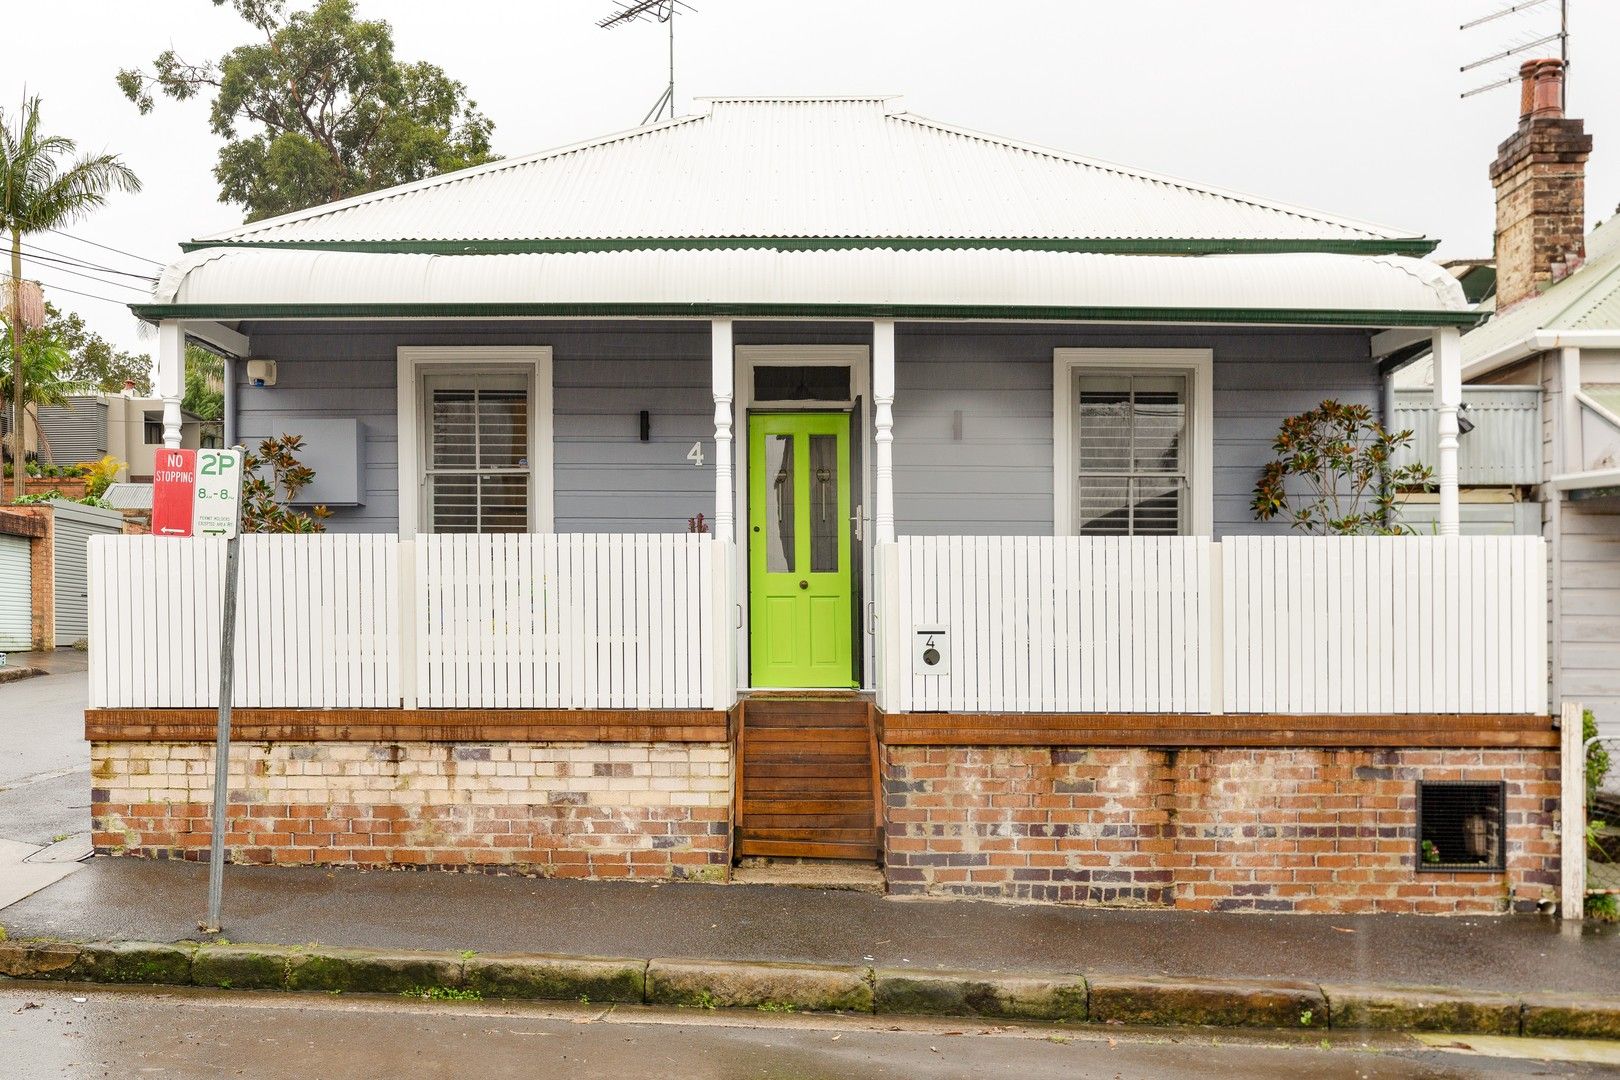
[(1350, 106)]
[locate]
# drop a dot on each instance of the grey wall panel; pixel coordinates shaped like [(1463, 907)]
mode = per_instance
[(74, 525), (603, 375), (1590, 631), (997, 478), (75, 431)]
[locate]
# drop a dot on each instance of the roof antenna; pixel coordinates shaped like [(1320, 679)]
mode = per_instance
[(656, 11), (1561, 35)]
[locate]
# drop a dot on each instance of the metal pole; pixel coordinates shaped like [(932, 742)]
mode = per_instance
[(222, 736), (672, 60)]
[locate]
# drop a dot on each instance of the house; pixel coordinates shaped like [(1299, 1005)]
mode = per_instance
[(87, 427), (809, 478), (1555, 341)]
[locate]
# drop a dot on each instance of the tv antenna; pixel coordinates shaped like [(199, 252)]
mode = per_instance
[(662, 11), (1528, 39)]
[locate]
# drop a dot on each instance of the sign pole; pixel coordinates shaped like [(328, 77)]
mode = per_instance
[(222, 737)]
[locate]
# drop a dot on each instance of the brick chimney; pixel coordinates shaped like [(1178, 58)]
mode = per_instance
[(1540, 180)]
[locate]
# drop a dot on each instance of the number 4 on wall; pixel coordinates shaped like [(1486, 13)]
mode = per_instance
[(695, 455)]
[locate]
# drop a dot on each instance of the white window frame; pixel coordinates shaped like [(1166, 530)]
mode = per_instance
[(416, 362), (1199, 367)]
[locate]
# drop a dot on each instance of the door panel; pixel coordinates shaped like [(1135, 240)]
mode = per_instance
[(800, 580)]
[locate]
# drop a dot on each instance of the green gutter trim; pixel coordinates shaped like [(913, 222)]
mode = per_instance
[(1413, 246), (1264, 316)]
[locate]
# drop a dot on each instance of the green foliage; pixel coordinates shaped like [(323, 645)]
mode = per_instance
[(1431, 854), (100, 474), (273, 478), (1341, 457), (319, 108), (1597, 758), (442, 993), (43, 186), (39, 497), (92, 360), (1603, 907), (205, 384)]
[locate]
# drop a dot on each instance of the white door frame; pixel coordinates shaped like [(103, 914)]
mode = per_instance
[(858, 358), (416, 361)]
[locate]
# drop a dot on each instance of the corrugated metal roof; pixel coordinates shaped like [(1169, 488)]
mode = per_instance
[(225, 278), (825, 168), (128, 496), (1588, 299)]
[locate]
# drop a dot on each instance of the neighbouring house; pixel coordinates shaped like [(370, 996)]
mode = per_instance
[(810, 478), (87, 427), (44, 564), (1554, 346)]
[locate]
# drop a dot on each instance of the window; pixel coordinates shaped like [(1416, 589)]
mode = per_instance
[(1460, 825), (478, 474), (801, 382), (1132, 454), (475, 451), (152, 429)]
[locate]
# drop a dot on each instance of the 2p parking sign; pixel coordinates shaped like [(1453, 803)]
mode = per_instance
[(196, 492)]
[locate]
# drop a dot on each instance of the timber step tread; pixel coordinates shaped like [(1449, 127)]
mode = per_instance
[(807, 850), (806, 784)]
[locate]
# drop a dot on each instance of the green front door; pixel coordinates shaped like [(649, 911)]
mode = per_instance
[(799, 581)]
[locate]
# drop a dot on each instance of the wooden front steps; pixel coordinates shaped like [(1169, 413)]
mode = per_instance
[(807, 783)]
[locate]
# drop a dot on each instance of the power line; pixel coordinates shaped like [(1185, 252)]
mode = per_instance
[(76, 260), (107, 247), (97, 280), (91, 296), (45, 255)]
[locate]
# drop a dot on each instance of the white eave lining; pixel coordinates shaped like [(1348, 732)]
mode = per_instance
[(1539, 342)]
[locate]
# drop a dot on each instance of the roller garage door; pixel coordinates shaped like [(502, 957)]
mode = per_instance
[(75, 525), (16, 591)]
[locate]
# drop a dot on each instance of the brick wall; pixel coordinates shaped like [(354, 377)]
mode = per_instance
[(565, 810), (1229, 830)]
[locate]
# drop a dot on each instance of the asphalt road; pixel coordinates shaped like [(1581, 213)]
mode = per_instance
[(98, 1032), (44, 760)]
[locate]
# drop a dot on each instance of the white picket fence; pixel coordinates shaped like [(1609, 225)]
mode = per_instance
[(571, 621), (317, 621), (349, 621), (1246, 625), (1385, 625), (1043, 624)]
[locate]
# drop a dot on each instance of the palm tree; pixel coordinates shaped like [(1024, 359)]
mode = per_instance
[(38, 193), (45, 358)]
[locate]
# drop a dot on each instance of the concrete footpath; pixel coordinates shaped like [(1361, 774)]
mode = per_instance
[(785, 948)]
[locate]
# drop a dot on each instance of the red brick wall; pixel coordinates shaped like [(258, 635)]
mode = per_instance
[(1228, 830), (563, 810)]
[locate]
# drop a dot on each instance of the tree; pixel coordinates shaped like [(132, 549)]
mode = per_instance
[(265, 499), (320, 109), (92, 359), (45, 381), (40, 189), (205, 384), (1343, 456)]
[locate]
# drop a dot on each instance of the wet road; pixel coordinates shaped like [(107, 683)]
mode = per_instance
[(49, 1032)]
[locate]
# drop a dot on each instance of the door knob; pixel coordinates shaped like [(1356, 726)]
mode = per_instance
[(803, 584)]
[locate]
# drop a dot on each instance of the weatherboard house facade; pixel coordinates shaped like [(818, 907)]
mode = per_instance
[(809, 478)]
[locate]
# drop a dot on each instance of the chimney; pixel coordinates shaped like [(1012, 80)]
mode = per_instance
[(129, 388), (1540, 180)]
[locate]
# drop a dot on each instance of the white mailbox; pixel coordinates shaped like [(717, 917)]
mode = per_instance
[(930, 651)]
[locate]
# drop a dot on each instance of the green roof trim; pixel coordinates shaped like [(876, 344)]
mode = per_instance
[(914, 312), (1413, 246)]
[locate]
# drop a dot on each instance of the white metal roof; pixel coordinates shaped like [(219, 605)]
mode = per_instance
[(242, 282), (807, 167)]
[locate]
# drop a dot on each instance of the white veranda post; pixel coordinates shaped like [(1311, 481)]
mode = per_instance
[(883, 422), (1447, 350), (721, 377), (171, 378)]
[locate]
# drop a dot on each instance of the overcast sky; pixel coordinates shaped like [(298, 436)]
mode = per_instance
[(1350, 106)]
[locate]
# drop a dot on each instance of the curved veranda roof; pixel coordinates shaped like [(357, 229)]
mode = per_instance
[(233, 283)]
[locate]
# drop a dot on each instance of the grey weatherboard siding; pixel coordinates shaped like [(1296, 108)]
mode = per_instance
[(996, 480)]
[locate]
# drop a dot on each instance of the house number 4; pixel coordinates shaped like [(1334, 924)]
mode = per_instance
[(695, 455)]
